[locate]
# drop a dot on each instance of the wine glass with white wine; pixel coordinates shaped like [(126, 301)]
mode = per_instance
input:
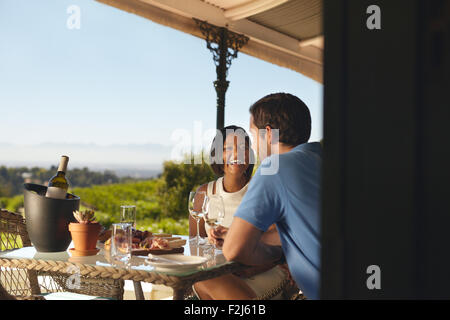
[(214, 212), (196, 206)]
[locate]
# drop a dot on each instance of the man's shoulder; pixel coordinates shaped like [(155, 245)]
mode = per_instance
[(281, 166), (306, 148), (298, 152), (304, 152)]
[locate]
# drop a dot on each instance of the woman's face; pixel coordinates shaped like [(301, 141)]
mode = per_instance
[(236, 155)]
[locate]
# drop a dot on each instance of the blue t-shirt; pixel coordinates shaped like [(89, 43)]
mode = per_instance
[(287, 192)]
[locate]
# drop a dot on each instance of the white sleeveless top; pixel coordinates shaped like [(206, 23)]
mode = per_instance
[(231, 201)]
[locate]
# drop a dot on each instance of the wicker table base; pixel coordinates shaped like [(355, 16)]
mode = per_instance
[(179, 284)]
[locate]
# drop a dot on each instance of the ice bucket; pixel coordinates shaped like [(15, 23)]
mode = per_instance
[(47, 219)]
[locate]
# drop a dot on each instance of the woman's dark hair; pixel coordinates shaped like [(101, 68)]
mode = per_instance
[(285, 112), (216, 162)]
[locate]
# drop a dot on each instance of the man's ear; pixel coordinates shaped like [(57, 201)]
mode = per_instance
[(269, 141), (269, 134)]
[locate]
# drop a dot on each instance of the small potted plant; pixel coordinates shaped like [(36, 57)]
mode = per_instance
[(84, 233)]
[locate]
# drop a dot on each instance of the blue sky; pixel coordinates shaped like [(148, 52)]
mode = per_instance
[(119, 79)]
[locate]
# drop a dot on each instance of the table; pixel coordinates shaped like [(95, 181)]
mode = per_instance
[(100, 267)]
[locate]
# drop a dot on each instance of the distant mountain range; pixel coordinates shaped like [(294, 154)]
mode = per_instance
[(139, 161)]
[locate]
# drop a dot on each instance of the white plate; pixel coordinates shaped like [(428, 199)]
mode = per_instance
[(187, 262)]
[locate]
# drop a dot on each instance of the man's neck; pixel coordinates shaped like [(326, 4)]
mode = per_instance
[(281, 148)]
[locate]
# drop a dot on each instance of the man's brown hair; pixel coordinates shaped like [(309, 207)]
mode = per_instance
[(285, 112)]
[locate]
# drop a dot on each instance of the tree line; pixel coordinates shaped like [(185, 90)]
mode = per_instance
[(12, 179), (161, 202), (163, 197)]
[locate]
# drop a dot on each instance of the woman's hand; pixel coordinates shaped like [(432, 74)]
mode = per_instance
[(217, 236)]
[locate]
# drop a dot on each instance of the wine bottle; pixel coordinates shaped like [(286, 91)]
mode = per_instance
[(58, 184)]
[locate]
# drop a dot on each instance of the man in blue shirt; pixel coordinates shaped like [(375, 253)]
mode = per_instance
[(284, 191)]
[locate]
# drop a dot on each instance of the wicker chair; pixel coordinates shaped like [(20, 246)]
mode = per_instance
[(24, 284), (294, 293), (287, 291)]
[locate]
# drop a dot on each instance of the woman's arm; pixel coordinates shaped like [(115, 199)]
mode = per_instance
[(193, 227), (193, 223)]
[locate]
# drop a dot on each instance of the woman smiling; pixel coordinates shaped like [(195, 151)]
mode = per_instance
[(232, 159)]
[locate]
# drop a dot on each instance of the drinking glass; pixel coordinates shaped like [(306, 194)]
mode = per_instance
[(196, 206), (121, 243), (214, 212), (128, 215)]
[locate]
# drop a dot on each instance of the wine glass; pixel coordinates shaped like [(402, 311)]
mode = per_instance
[(214, 212), (196, 206)]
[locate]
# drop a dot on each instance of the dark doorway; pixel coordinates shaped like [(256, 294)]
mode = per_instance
[(386, 196)]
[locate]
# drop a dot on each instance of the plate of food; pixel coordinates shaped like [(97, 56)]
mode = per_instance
[(175, 262), (159, 245), (145, 242)]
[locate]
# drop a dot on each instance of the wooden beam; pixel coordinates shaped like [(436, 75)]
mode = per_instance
[(316, 42), (251, 8), (213, 15), (309, 63)]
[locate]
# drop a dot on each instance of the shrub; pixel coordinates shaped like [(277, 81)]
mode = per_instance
[(165, 225), (178, 179), (12, 204), (109, 198)]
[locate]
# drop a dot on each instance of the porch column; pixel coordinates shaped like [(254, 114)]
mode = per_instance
[(224, 45)]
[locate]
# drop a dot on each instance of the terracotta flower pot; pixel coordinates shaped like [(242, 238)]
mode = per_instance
[(85, 236)]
